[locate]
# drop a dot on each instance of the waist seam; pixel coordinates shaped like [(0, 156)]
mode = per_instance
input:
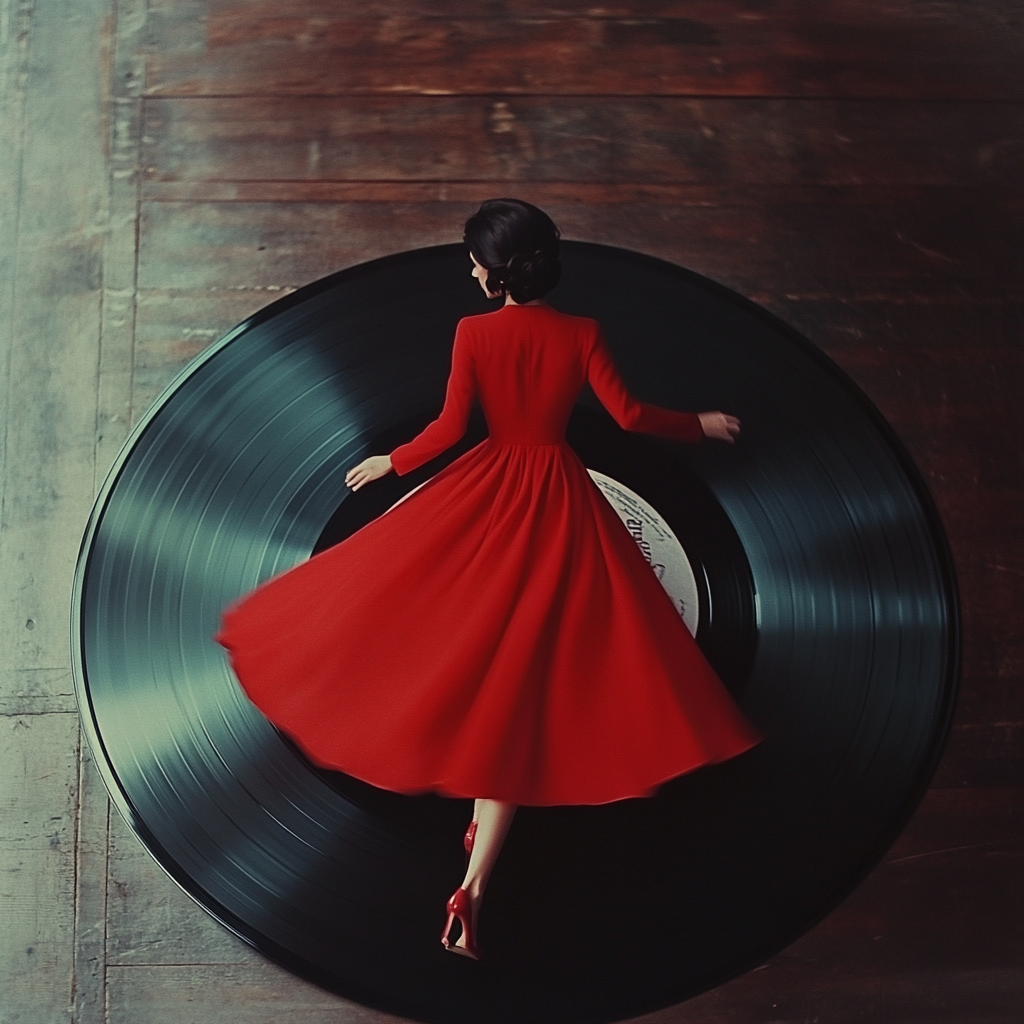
[(527, 444)]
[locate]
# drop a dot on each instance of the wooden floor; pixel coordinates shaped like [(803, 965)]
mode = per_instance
[(168, 167)]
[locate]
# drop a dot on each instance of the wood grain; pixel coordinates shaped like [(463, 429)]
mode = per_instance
[(847, 49), (55, 178), (38, 805), (175, 326), (994, 15), (90, 928), (653, 139), (150, 920), (258, 993), (50, 423), (120, 256), (786, 241)]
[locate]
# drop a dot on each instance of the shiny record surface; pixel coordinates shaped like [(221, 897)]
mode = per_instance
[(826, 602)]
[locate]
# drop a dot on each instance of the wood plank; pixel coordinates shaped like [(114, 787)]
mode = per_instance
[(825, 242), (174, 327), (583, 139), (90, 927), (993, 14), (13, 62), (37, 691), (948, 821), (469, 194), (993, 650), (116, 364), (984, 753), (13, 82), (51, 417), (38, 804), (832, 49), (113, 419), (54, 59), (473, 193), (256, 993), (150, 920)]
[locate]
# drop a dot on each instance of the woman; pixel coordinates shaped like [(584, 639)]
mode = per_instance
[(533, 656)]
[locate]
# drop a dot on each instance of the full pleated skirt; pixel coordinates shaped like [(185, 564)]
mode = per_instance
[(496, 634)]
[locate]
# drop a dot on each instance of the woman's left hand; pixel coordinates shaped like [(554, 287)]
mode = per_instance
[(720, 426), (369, 469)]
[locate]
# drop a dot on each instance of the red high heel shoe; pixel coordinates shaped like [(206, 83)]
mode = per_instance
[(459, 906), (468, 840)]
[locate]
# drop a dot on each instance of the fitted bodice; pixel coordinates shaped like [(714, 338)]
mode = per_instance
[(526, 364), (529, 375)]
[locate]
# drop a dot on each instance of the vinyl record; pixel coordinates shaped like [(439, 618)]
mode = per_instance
[(808, 558)]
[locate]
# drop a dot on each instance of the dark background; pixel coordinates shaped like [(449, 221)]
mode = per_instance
[(168, 167)]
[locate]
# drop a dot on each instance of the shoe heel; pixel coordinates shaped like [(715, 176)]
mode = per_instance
[(459, 906), (447, 929)]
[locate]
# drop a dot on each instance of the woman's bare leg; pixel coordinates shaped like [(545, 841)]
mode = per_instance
[(493, 819)]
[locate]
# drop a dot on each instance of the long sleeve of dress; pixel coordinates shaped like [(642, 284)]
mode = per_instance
[(627, 411), (443, 432)]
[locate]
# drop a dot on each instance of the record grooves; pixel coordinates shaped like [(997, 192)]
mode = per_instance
[(827, 603)]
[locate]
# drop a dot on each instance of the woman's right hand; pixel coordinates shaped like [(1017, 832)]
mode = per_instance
[(719, 425), (369, 469)]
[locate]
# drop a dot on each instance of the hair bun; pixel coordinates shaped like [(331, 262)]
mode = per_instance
[(518, 244), (528, 276)]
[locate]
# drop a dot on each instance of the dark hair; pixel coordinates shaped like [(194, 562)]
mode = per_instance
[(518, 244)]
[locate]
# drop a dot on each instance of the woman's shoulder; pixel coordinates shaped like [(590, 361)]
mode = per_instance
[(584, 325), (475, 320), (503, 317), (584, 329), (574, 318)]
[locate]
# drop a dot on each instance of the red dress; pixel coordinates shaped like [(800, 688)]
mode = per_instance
[(497, 633)]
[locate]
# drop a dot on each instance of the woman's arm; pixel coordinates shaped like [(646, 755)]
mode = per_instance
[(442, 433), (451, 424), (627, 411)]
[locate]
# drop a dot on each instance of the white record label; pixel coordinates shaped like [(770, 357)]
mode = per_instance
[(657, 543)]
